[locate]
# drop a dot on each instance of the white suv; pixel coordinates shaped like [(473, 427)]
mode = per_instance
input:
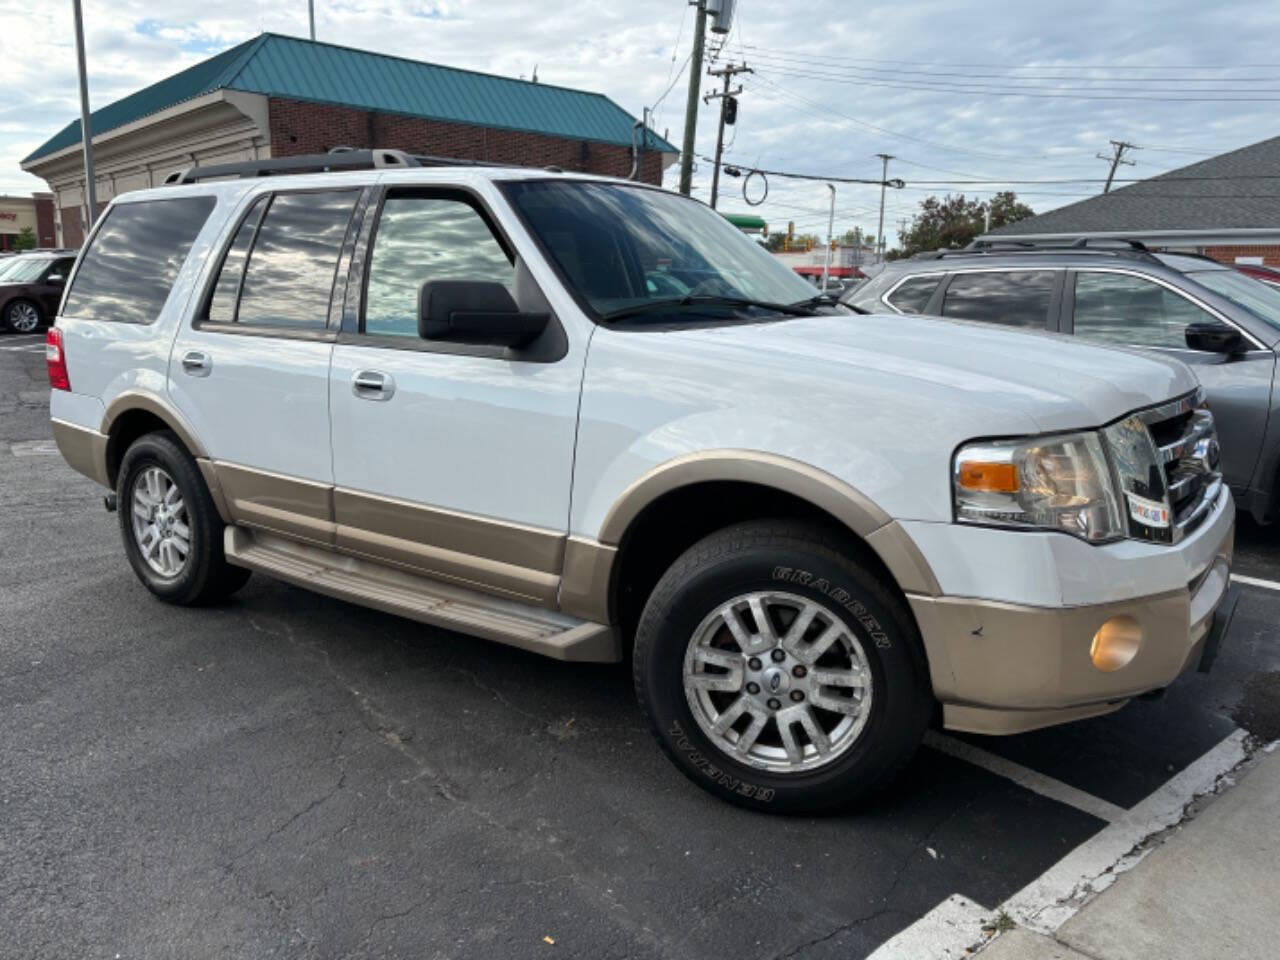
[(591, 419)]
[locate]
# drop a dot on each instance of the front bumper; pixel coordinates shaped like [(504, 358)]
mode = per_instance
[(1005, 667)]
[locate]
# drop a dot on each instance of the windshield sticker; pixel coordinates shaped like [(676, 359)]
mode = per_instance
[(1146, 511)]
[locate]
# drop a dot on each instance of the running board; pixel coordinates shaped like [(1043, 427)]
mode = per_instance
[(371, 584)]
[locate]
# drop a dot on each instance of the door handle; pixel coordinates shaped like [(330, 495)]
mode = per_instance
[(373, 385), (197, 364)]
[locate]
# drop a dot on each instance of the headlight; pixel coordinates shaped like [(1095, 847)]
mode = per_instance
[(1056, 483)]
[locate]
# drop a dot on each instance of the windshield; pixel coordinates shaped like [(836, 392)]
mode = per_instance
[(24, 270), (622, 248), (1260, 299)]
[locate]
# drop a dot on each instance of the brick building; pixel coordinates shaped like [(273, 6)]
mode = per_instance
[(276, 96), (21, 213), (1227, 207)]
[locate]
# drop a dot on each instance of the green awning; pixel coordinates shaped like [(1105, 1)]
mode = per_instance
[(747, 222)]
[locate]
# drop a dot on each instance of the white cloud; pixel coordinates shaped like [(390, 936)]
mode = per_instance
[(801, 112)]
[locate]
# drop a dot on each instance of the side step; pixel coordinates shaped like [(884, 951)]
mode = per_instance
[(371, 584)]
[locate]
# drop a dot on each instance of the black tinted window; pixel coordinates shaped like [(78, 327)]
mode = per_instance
[(421, 239), (1018, 299), (913, 295), (222, 305), (1118, 308), (294, 260), (128, 270)]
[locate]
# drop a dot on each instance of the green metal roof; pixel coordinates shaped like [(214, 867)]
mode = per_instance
[(297, 69)]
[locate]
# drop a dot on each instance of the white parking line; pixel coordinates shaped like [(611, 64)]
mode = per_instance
[(1033, 780), (1055, 896), (24, 348), (1255, 582)]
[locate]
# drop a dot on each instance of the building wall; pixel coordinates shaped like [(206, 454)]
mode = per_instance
[(298, 128), (1270, 254)]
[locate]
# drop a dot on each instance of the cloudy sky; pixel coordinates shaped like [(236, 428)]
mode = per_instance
[(956, 89)]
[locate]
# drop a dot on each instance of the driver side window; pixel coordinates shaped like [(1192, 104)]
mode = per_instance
[(1121, 309), (427, 238)]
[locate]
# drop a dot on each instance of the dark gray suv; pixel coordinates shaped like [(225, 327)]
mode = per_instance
[(1222, 323)]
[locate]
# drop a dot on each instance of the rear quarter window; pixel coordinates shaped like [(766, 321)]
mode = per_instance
[(913, 295), (134, 259)]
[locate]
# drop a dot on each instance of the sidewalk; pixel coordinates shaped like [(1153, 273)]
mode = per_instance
[(1211, 890)]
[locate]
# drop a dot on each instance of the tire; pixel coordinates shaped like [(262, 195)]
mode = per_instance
[(23, 316), (874, 729), (155, 464)]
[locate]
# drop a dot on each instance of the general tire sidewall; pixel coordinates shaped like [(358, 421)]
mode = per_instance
[(157, 450), (894, 724)]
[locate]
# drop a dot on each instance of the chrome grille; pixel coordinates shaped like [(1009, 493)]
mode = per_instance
[(1187, 443)]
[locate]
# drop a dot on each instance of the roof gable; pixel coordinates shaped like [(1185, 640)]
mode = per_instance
[(1235, 190), (297, 69)]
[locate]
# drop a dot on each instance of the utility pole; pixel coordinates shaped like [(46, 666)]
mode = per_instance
[(884, 182), (311, 14), (86, 135), (1118, 148), (691, 105), (724, 97), (831, 227)]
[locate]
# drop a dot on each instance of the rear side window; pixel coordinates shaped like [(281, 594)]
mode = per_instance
[(912, 296), (284, 268), (1015, 299), (134, 259)]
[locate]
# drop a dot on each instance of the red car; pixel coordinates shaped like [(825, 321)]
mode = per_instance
[(1266, 274), (31, 286)]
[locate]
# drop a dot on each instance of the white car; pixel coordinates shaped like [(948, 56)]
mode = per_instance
[(470, 396)]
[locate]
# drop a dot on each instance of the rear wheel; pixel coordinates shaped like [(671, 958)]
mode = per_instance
[(172, 532), (22, 316), (778, 672)]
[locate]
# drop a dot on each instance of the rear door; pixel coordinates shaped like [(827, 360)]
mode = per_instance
[(251, 371), (1124, 308)]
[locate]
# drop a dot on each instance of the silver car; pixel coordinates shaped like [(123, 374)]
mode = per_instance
[(1221, 322)]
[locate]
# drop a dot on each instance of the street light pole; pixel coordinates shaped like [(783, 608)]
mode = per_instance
[(831, 226), (86, 135), (311, 15)]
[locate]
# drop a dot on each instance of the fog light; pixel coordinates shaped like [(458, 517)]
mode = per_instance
[(1116, 643)]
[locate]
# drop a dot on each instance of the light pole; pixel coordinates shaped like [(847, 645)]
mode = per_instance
[(86, 135), (311, 15), (831, 226)]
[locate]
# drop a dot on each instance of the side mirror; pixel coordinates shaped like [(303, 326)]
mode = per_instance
[(55, 278), (1214, 338), (472, 311)]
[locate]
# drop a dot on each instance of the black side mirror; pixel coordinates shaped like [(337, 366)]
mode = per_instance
[(472, 311), (1214, 338)]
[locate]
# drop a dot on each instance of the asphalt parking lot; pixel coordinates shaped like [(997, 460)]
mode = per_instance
[(290, 776)]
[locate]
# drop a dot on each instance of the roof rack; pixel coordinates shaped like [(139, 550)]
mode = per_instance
[(1099, 245), (339, 158)]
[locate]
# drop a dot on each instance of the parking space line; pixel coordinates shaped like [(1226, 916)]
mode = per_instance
[(1054, 897), (1255, 582), (1033, 780), (24, 348)]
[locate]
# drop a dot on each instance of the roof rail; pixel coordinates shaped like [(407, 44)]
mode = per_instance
[(338, 158), (1096, 245)]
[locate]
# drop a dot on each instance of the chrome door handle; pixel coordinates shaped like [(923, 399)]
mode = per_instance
[(197, 364), (372, 385)]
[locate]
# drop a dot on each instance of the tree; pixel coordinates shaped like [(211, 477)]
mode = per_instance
[(854, 238), (26, 239), (954, 221)]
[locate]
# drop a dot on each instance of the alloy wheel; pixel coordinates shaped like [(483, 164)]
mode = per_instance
[(161, 527)]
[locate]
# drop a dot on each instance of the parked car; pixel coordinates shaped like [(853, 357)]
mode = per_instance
[(1222, 323), (451, 394), (31, 286), (1268, 275)]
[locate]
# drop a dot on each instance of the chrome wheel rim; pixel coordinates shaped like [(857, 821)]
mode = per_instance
[(161, 528), (778, 682), (23, 317)]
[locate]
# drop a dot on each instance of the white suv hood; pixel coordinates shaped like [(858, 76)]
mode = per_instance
[(1057, 381)]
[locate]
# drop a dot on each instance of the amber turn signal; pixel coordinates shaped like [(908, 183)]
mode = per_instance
[(988, 477)]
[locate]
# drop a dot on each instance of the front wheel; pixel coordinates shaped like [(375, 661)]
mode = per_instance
[(172, 532), (778, 672), (22, 316)]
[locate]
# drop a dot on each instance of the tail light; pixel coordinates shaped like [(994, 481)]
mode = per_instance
[(56, 360)]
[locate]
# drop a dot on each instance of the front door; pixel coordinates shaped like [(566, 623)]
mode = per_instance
[(452, 460), (251, 373), (1115, 307)]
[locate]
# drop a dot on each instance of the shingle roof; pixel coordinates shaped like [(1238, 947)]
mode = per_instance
[(1236, 190), (299, 69)]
